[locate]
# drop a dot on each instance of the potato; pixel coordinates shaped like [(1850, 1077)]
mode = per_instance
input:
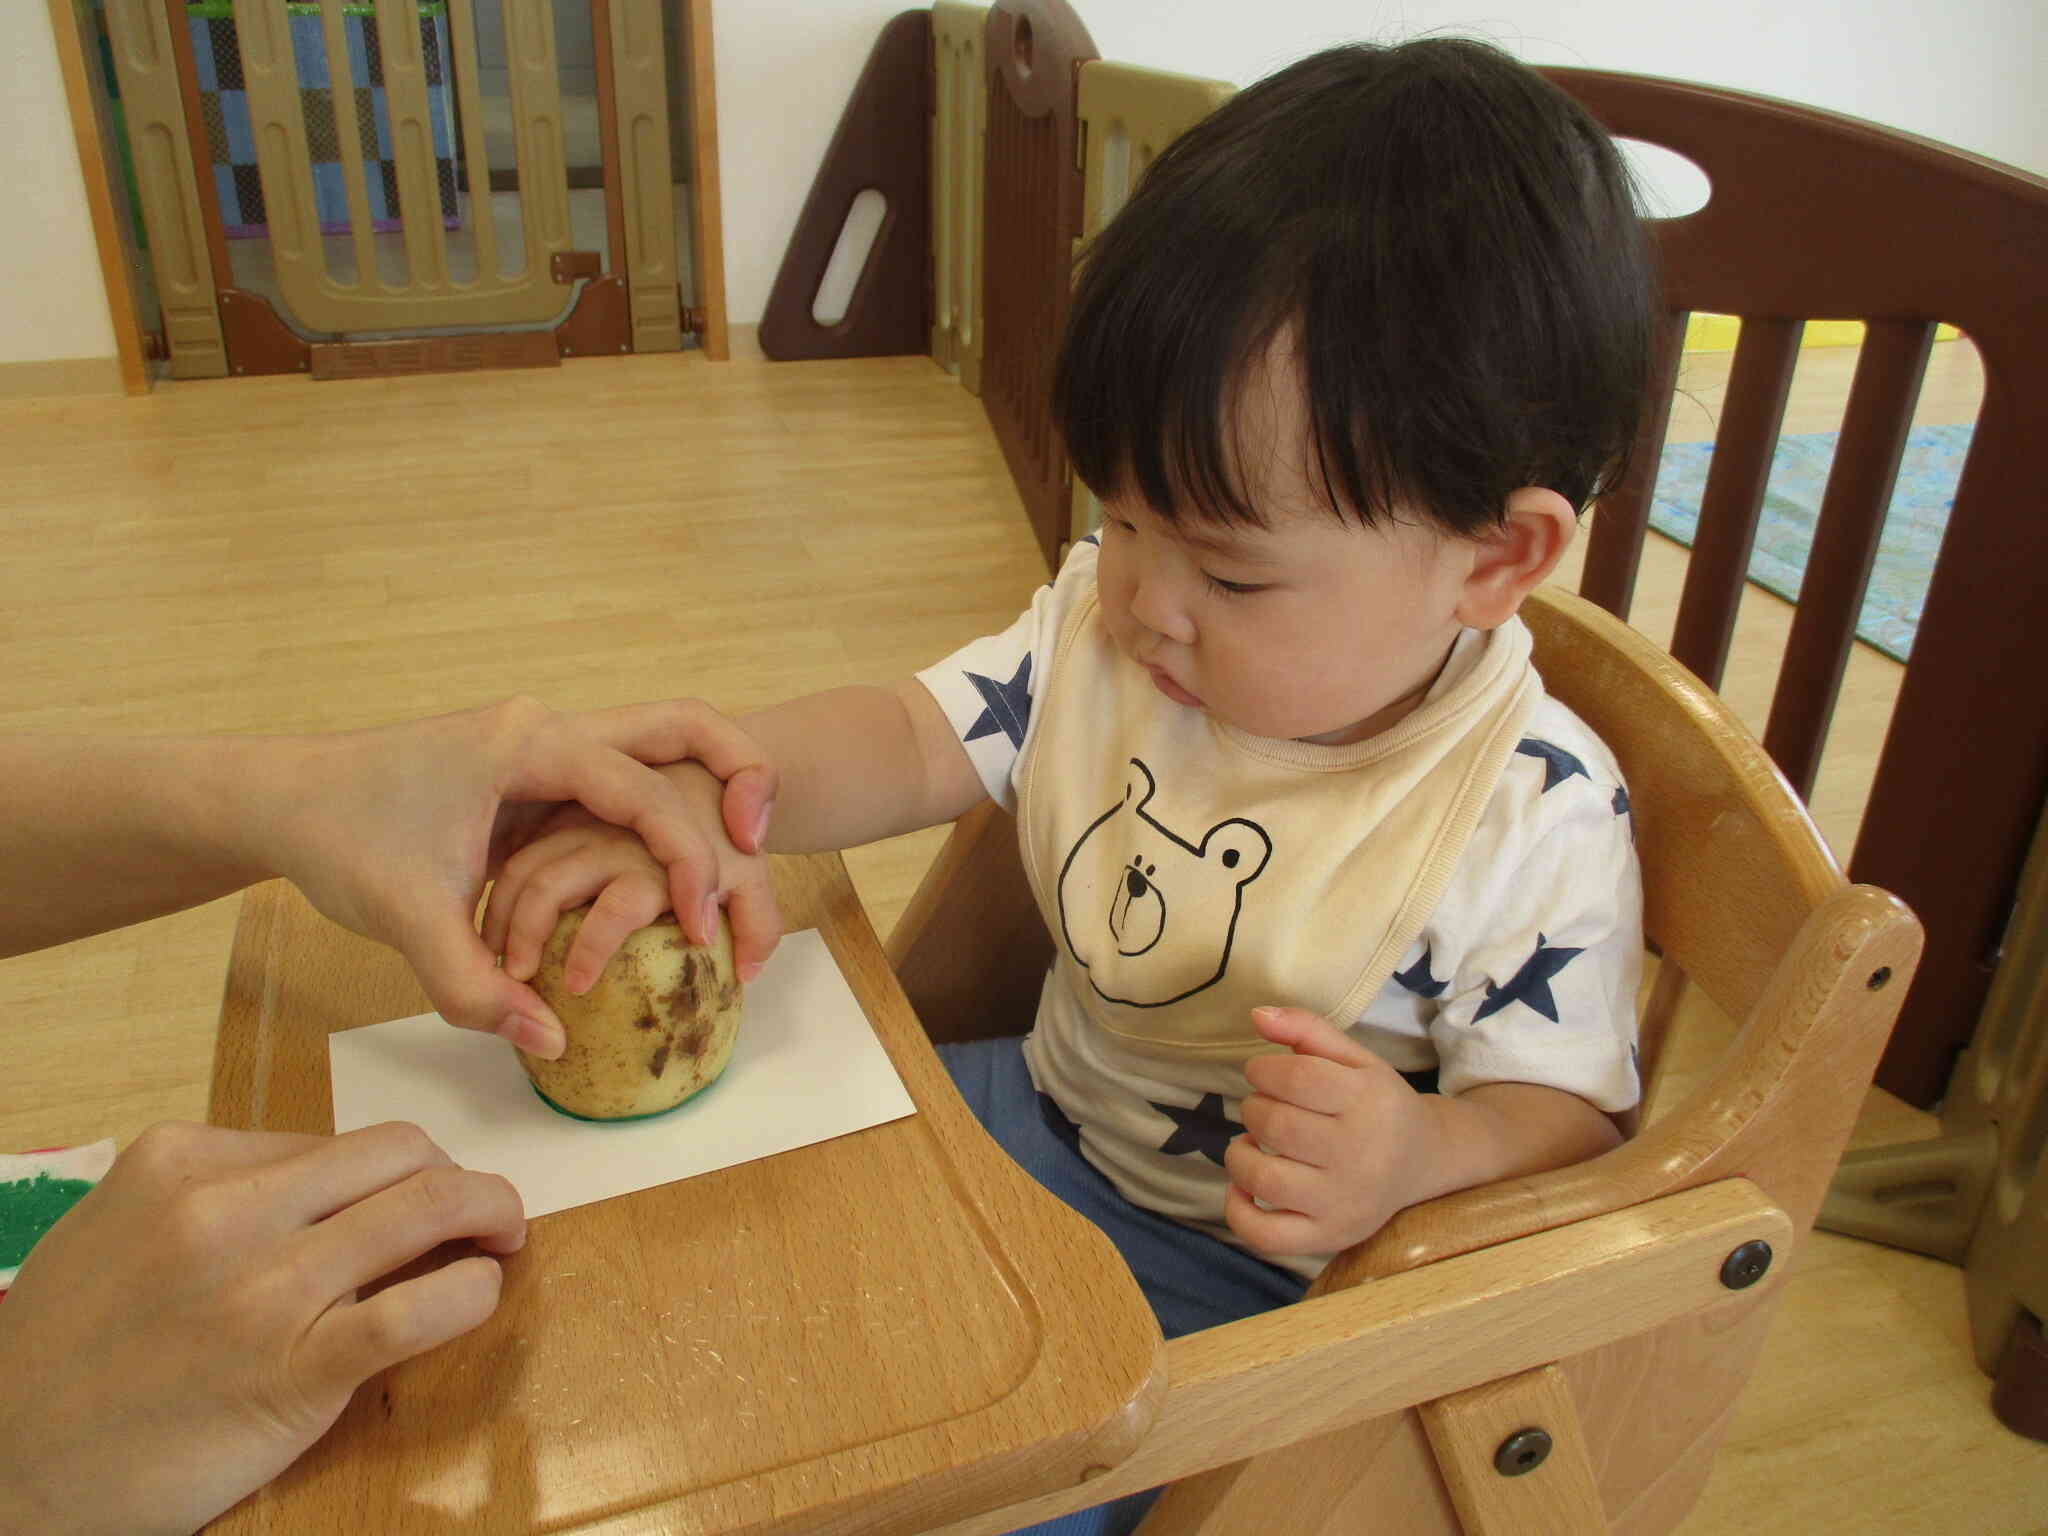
[(657, 1026)]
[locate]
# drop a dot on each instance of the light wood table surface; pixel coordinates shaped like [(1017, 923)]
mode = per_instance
[(885, 1332)]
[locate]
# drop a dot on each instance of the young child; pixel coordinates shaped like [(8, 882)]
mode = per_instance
[(1346, 910)]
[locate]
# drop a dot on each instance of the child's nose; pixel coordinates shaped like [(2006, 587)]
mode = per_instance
[(1156, 605)]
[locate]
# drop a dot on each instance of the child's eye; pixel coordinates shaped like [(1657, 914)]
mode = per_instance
[(1232, 588)]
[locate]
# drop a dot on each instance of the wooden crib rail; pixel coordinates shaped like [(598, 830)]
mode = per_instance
[(1813, 216)]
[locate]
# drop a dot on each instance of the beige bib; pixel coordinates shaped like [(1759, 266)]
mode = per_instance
[(1189, 872)]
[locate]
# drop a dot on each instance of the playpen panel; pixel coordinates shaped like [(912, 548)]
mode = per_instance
[(1619, 524), (1826, 217), (1128, 115), (1758, 386), (348, 133), (1889, 369), (1034, 47), (646, 177), (427, 295), (959, 148), (886, 310), (2004, 1080), (145, 62)]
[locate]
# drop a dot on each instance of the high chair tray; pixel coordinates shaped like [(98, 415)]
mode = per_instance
[(879, 1333)]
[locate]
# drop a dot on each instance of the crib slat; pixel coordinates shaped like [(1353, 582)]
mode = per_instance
[(1758, 382), (1615, 551), (1032, 208), (1852, 515)]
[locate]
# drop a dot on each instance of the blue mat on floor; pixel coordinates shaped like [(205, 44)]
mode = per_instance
[(1799, 473)]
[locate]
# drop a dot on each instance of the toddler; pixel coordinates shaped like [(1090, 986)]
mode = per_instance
[(1346, 910)]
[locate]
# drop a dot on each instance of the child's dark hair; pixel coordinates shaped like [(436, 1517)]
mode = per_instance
[(1454, 242)]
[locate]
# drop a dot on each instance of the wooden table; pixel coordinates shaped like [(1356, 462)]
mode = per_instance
[(882, 1333)]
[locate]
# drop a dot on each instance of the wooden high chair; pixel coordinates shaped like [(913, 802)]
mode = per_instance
[(1548, 1354)]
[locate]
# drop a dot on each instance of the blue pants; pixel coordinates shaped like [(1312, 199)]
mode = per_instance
[(1192, 1280)]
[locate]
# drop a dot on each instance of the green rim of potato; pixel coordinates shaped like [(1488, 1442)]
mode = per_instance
[(652, 1114)]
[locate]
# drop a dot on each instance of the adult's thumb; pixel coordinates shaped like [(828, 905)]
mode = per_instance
[(469, 990)]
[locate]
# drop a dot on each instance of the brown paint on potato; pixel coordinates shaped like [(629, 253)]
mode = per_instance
[(656, 1027)]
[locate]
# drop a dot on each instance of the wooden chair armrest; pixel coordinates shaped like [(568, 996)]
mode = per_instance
[(1288, 1375), (1777, 1110), (971, 950)]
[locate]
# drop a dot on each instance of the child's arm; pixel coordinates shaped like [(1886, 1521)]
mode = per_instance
[(1336, 1142), (854, 765), (859, 764)]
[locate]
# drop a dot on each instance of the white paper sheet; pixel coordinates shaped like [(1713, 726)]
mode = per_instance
[(806, 1068)]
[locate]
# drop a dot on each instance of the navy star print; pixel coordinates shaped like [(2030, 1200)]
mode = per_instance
[(1621, 800), (1009, 705), (1057, 1122), (1204, 1129), (1531, 984), (1418, 980), (1558, 764)]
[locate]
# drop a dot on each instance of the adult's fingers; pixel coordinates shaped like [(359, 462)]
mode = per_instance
[(367, 1240), (177, 1154), (577, 766), (671, 730), (465, 984), (331, 1173), (352, 1342)]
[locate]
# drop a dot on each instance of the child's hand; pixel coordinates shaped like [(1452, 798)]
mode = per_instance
[(1335, 1140), (577, 858)]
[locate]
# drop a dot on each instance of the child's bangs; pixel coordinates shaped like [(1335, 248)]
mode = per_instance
[(1145, 398)]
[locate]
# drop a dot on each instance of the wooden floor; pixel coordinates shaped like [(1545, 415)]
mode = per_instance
[(282, 555)]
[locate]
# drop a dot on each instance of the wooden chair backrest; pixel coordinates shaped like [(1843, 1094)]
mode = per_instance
[(1732, 864), (1741, 895), (1817, 216)]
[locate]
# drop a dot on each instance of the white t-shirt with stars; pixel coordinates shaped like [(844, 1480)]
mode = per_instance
[(1525, 971)]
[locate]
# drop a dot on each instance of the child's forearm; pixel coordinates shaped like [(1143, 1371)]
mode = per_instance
[(1505, 1130), (858, 764)]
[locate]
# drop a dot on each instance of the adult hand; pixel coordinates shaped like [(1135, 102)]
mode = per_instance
[(392, 832), (193, 1324)]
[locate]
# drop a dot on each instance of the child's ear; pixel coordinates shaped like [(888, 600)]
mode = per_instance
[(1508, 561)]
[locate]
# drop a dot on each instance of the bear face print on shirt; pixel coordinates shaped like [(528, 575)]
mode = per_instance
[(1146, 913)]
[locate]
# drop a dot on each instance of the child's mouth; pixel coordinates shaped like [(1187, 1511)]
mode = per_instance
[(1173, 690)]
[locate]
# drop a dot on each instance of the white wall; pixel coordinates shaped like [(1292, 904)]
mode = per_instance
[(786, 67), (1963, 74), (52, 300)]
